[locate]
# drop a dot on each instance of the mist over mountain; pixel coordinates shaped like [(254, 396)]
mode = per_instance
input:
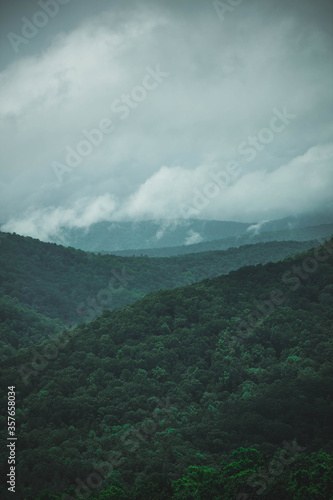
[(252, 236), (147, 234), (137, 235)]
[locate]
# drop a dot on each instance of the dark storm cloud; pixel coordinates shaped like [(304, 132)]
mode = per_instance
[(224, 81)]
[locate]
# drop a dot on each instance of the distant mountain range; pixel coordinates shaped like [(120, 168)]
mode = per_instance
[(109, 236), (249, 238), (113, 236)]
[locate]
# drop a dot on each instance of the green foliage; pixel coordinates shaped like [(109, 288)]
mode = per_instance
[(22, 326), (200, 482), (169, 394), (74, 286), (113, 493)]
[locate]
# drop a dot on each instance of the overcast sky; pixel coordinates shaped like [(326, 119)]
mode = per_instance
[(218, 112)]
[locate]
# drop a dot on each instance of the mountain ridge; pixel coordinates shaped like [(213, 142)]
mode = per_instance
[(73, 285)]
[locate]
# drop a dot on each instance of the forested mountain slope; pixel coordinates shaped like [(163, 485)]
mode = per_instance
[(75, 286), (184, 378)]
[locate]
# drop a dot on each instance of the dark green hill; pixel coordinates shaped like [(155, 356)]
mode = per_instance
[(75, 286), (183, 378)]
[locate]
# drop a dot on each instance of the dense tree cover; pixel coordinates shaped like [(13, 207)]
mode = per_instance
[(243, 475), (162, 394), (73, 286), (21, 326), (296, 234)]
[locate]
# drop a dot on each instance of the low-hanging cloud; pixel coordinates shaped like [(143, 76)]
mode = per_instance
[(255, 229), (45, 223), (225, 80), (303, 185), (193, 237)]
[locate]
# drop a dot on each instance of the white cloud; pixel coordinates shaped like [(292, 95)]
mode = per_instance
[(304, 184), (193, 237), (256, 228), (42, 224), (225, 79)]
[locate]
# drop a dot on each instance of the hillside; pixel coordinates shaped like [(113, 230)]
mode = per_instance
[(219, 376), (74, 286), (22, 326)]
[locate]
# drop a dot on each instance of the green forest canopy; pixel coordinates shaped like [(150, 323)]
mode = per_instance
[(173, 385)]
